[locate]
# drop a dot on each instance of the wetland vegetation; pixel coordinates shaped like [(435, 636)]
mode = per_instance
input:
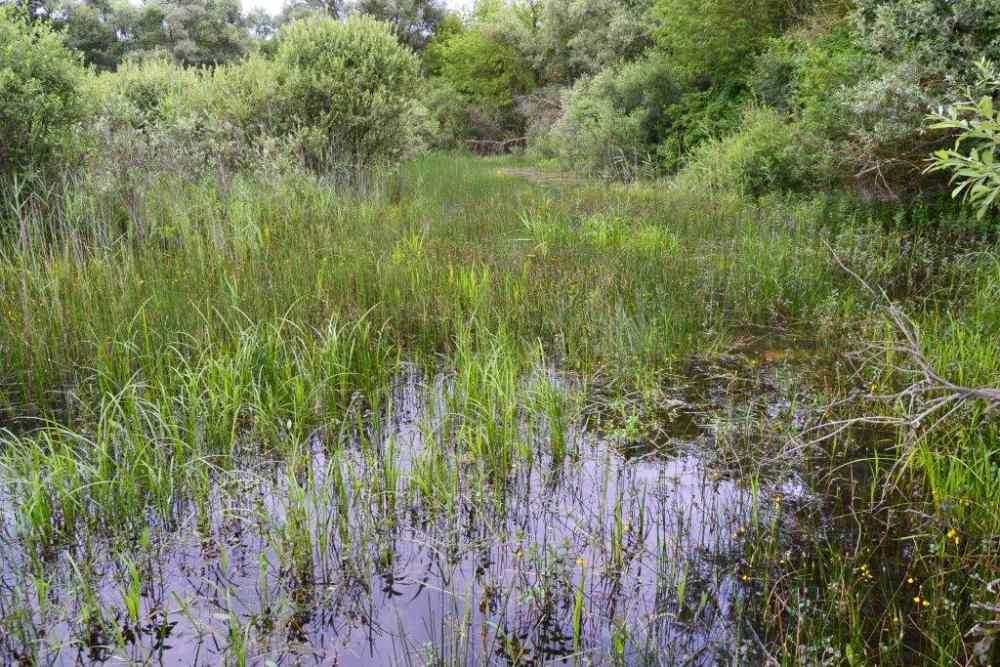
[(289, 376)]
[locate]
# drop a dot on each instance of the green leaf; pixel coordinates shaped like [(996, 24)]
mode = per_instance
[(986, 106)]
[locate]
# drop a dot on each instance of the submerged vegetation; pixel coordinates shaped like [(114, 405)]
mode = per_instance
[(704, 373)]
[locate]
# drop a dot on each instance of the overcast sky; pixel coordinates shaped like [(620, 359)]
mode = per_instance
[(274, 6)]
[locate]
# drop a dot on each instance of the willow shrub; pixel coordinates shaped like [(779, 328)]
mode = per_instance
[(349, 91)]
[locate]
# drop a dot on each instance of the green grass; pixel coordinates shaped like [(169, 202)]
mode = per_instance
[(617, 278), (140, 374)]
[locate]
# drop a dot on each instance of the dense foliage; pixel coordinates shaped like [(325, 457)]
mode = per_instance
[(206, 32), (617, 89), (712, 39), (335, 96), (40, 89), (349, 86), (629, 88)]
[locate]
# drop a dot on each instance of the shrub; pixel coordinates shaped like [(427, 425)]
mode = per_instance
[(246, 95), (147, 92), (156, 120), (596, 137), (40, 95), (768, 153), (448, 113), (149, 120), (144, 129), (868, 106), (541, 110), (919, 50), (945, 39), (885, 140), (567, 39), (348, 90), (698, 116), (611, 122), (831, 66), (808, 70), (777, 70)]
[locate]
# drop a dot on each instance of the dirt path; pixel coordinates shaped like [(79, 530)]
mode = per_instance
[(543, 177)]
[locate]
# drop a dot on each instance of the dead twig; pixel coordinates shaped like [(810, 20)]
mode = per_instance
[(931, 398)]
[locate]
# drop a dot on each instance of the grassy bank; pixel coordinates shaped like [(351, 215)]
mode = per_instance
[(237, 363)]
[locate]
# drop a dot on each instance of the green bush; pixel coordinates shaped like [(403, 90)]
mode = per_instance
[(777, 70), (698, 116), (918, 51), (869, 106), (40, 96), (491, 75), (713, 39), (807, 71), (611, 122), (768, 153), (490, 72), (348, 90), (448, 113), (945, 39), (246, 95), (336, 96), (156, 120), (147, 92)]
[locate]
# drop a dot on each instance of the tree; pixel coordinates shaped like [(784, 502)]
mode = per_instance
[(450, 26), (946, 37), (203, 32), (611, 122), (489, 72), (193, 32), (568, 39), (261, 24), (297, 9), (712, 38), (414, 21), (95, 29)]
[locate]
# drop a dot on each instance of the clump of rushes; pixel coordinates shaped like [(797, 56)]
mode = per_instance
[(157, 448)]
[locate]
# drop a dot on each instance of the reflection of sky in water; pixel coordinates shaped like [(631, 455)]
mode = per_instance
[(472, 581)]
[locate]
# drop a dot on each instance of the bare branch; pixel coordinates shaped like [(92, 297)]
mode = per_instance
[(931, 398)]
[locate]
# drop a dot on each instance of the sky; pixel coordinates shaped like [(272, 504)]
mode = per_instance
[(274, 6)]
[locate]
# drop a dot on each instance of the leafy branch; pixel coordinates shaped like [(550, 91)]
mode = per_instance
[(972, 161)]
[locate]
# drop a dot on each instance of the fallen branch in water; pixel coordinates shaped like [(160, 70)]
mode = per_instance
[(930, 398)]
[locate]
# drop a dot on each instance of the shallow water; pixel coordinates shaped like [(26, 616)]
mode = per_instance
[(607, 555)]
